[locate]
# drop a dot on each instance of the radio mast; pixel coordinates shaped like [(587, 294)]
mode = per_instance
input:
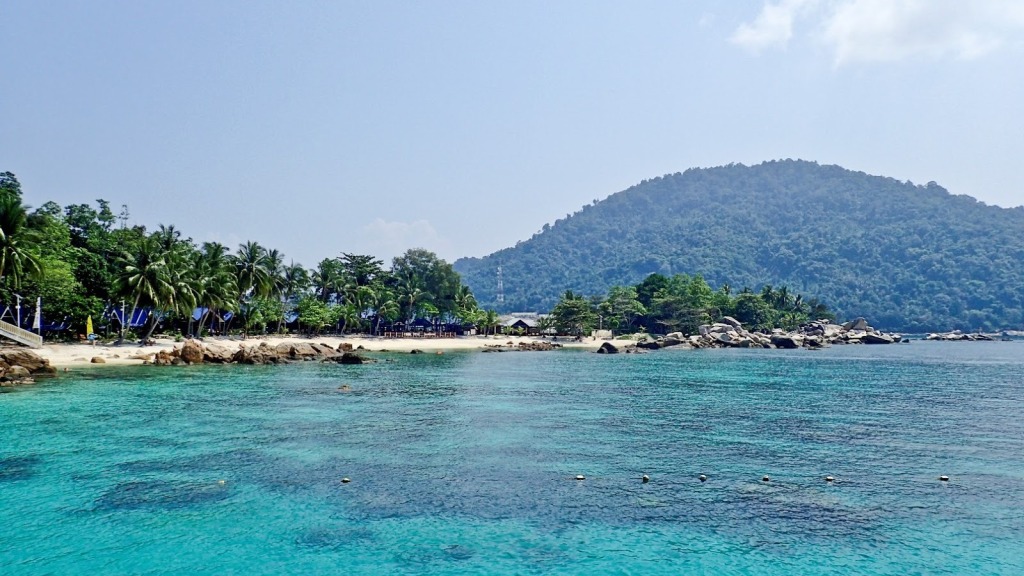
[(500, 298)]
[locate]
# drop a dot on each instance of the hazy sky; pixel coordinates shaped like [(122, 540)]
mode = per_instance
[(463, 127)]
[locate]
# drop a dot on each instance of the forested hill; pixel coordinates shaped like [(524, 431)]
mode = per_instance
[(908, 257)]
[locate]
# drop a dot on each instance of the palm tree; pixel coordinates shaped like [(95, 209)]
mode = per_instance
[(251, 269), (17, 260), (216, 287), (327, 279), (387, 308), (295, 279), (144, 276), (275, 273)]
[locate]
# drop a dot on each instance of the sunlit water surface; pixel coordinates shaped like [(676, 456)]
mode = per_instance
[(465, 463)]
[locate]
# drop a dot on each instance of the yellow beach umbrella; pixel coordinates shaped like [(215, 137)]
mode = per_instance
[(88, 325)]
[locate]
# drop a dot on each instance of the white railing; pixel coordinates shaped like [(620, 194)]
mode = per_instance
[(20, 335)]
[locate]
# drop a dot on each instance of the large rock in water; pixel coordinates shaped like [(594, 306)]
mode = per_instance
[(873, 338), (350, 358), (786, 341), (607, 348), (25, 358)]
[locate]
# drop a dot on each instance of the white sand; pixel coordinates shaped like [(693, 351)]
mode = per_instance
[(71, 355)]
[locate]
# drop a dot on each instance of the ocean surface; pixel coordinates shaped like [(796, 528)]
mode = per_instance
[(465, 463)]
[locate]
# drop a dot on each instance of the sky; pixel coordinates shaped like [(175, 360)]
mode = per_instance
[(322, 127)]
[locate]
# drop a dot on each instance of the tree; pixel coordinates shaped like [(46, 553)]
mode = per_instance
[(252, 273), (315, 314), (622, 307), (144, 276), (215, 281), (753, 312), (17, 256), (423, 277), (9, 186), (573, 315)]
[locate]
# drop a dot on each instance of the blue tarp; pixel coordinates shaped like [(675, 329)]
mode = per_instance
[(200, 312), (137, 320)]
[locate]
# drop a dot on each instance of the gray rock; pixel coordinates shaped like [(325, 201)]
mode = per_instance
[(732, 322), (786, 341), (858, 324)]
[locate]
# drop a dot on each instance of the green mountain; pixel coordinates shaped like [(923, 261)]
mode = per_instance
[(908, 257)]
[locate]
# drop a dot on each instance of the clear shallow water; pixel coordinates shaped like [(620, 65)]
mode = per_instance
[(463, 463)]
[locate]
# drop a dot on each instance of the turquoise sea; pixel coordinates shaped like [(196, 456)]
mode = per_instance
[(464, 463)]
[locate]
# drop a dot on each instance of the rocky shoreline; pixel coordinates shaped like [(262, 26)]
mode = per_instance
[(729, 333), (22, 366)]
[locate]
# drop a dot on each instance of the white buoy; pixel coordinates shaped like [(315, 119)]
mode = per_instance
[(765, 479), (581, 477), (222, 482), (829, 479), (702, 478), (944, 478), (345, 480), (645, 478)]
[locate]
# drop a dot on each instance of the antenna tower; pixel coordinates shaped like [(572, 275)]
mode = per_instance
[(501, 289)]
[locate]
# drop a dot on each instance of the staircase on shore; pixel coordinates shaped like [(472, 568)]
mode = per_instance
[(8, 330)]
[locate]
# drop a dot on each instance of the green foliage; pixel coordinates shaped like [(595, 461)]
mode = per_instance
[(419, 278), (258, 313), (683, 303), (753, 312), (908, 257), (574, 315), (81, 264), (315, 315)]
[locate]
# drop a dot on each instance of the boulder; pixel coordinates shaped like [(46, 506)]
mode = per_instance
[(17, 373), (191, 352), (858, 324), (351, 358), (298, 351), (324, 350), (98, 360), (262, 354), (732, 322), (23, 357), (877, 338), (216, 354), (607, 348), (786, 341), (666, 342), (162, 358)]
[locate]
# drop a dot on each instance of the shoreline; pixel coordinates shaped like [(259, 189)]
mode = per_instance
[(68, 355)]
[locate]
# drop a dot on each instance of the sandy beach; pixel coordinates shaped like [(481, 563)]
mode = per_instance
[(67, 355)]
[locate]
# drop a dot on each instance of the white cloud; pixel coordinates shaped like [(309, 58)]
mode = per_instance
[(390, 239), (773, 27), (890, 30)]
